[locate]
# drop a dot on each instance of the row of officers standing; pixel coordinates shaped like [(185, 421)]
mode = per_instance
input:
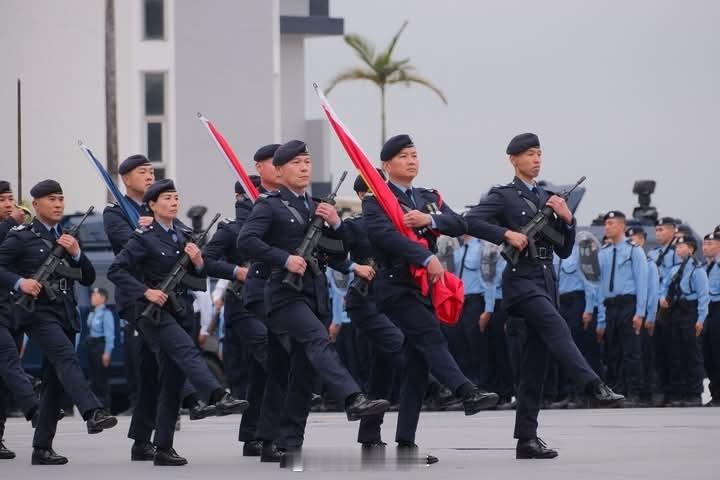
[(285, 329)]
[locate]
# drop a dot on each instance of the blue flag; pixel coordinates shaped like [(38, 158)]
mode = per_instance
[(127, 209)]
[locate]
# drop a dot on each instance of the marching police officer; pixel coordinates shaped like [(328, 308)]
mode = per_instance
[(685, 296), (399, 296), (711, 330), (272, 234), (529, 288), (272, 415), (53, 323), (154, 251), (226, 260), (385, 338), (622, 302), (639, 237), (13, 380)]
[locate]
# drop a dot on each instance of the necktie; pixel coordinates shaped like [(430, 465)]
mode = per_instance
[(409, 193), (173, 234), (55, 232), (462, 262), (535, 191), (612, 270)]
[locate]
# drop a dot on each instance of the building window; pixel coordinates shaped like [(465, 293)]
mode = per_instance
[(154, 21), (155, 118)]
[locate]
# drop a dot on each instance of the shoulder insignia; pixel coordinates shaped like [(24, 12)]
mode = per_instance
[(269, 194), (111, 205), (225, 221), (20, 228), (605, 246)]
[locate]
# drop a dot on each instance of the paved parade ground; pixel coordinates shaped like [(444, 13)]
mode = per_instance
[(593, 444)]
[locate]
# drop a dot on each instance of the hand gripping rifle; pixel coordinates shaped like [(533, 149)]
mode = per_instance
[(310, 242), (54, 264), (177, 277), (539, 225), (362, 285)]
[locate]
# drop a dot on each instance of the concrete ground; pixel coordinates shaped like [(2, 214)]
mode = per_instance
[(593, 444)]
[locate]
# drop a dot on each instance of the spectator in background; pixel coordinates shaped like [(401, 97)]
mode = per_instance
[(100, 343)]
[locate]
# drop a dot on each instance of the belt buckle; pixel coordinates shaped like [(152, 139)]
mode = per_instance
[(63, 284), (542, 252)]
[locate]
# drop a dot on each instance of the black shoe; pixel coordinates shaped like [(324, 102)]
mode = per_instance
[(229, 405), (373, 445), (5, 454), (362, 406), (712, 403), (479, 400), (270, 453), (407, 452), (201, 410), (602, 395), (168, 458), (533, 448), (442, 399), (100, 420), (253, 448), (291, 458), (142, 452), (47, 456)]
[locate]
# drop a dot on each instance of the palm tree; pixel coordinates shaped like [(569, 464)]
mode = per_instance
[(381, 69)]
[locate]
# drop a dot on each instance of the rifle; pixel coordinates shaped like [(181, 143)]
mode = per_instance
[(674, 291), (179, 276), (310, 242), (361, 285), (53, 264), (540, 224)]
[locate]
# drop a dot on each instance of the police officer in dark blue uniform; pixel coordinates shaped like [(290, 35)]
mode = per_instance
[(272, 234), (272, 414), (398, 295), (137, 175), (53, 323), (530, 290), (385, 338), (13, 379), (153, 251), (243, 330)]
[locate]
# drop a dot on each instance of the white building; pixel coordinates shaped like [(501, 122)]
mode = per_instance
[(239, 62)]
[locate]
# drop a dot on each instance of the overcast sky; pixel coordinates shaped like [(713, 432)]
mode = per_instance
[(617, 90)]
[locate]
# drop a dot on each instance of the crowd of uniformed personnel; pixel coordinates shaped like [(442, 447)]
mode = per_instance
[(545, 331)]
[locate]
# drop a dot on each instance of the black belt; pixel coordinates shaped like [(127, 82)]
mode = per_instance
[(620, 300), (571, 295), (543, 253)]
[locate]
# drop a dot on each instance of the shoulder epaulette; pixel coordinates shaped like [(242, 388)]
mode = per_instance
[(142, 230), (111, 205), (269, 194), (226, 221), (20, 228), (605, 245)]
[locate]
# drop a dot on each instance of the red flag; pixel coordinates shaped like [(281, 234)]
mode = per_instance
[(229, 156), (447, 294)]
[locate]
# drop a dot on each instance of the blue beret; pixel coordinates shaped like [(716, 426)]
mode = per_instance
[(255, 179), (393, 146), (666, 221), (266, 152), (614, 214), (5, 187), (45, 188), (154, 190), (523, 142), (635, 231), (360, 186), (288, 151), (132, 162)]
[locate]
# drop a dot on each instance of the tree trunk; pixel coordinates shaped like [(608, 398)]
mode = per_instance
[(383, 132), (111, 152)]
